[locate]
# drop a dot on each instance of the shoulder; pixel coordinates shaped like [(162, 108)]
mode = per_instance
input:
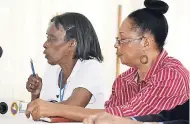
[(89, 65), (90, 62), (171, 66), (172, 69), (90, 76), (127, 75), (89, 70)]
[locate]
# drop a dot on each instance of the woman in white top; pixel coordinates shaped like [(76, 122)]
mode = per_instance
[(72, 44)]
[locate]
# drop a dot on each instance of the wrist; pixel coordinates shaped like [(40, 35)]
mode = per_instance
[(35, 96), (52, 109), (122, 120)]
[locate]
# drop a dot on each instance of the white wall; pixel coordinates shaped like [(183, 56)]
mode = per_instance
[(23, 27)]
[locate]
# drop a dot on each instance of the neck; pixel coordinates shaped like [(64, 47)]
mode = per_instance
[(67, 67), (144, 68)]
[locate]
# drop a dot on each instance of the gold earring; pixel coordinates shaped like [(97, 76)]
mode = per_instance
[(144, 59)]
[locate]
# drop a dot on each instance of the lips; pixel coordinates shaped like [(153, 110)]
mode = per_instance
[(118, 54), (45, 54)]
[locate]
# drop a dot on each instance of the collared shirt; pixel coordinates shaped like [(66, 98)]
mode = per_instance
[(85, 74), (165, 86)]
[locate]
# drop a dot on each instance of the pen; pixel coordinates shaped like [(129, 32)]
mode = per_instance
[(32, 67)]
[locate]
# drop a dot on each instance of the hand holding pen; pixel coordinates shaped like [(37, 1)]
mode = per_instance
[(34, 83)]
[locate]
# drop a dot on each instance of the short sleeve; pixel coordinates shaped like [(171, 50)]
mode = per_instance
[(90, 77)]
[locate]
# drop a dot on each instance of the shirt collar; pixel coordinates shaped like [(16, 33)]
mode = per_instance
[(132, 73), (156, 64), (76, 68)]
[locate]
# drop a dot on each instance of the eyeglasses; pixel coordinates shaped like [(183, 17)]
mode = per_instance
[(127, 40)]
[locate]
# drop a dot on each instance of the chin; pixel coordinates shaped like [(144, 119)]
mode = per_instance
[(126, 63), (122, 61), (50, 62)]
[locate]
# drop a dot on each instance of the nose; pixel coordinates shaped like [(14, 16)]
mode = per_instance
[(45, 44), (116, 45)]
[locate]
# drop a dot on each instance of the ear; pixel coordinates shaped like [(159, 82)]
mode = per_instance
[(147, 41), (72, 44)]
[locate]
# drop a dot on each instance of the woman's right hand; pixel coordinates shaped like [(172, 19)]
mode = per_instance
[(34, 85)]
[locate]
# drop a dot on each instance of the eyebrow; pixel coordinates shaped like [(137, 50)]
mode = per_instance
[(122, 34), (50, 35)]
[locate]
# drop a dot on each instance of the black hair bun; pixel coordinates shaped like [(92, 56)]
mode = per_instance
[(156, 5)]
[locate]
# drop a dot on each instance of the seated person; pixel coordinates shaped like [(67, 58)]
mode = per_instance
[(72, 44), (178, 115), (155, 81)]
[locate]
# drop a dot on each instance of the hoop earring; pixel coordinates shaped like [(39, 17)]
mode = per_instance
[(144, 59)]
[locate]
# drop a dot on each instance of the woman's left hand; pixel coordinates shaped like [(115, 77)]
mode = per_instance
[(105, 118), (38, 109), (100, 118)]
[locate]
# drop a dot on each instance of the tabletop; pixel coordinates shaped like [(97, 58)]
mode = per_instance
[(21, 119)]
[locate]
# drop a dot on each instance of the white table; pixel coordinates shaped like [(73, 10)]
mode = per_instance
[(21, 119)]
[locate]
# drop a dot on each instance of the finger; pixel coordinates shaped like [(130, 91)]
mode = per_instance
[(39, 78), (27, 113), (34, 79), (88, 121), (31, 78), (91, 119), (36, 84), (28, 82), (33, 82), (35, 114), (27, 85), (33, 87), (94, 117), (30, 108), (31, 90), (85, 121)]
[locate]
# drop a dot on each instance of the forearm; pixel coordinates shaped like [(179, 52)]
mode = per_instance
[(33, 97), (73, 112), (74, 103)]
